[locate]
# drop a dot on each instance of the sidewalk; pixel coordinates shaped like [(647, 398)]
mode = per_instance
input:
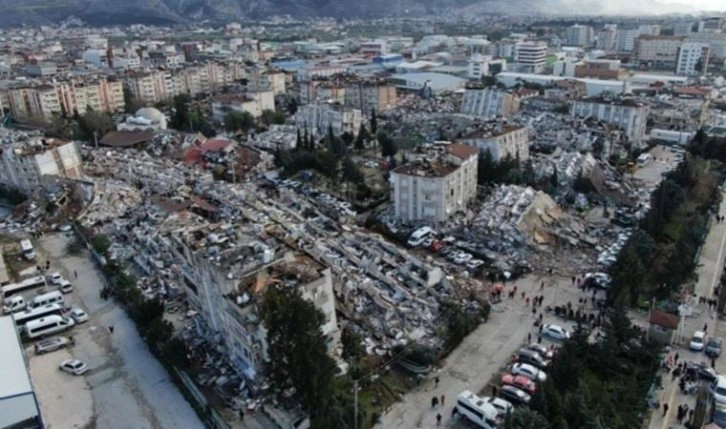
[(710, 262)]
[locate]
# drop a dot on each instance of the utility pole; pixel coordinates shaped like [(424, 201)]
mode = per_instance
[(355, 394)]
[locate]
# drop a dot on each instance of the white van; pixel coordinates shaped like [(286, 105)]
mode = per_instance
[(47, 326), (54, 297), (27, 247), (55, 278), (477, 410), (14, 304), (419, 236), (65, 286), (644, 159)]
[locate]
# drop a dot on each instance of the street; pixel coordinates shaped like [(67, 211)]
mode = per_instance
[(482, 354), (126, 387), (710, 267)]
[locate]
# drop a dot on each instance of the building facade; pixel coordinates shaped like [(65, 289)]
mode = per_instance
[(501, 142), (530, 56), (25, 163), (253, 103), (317, 118), (628, 115), (579, 35), (693, 59), (434, 188), (489, 103), (658, 51)]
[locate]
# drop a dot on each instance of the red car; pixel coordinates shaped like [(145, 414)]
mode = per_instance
[(520, 382), (437, 245)]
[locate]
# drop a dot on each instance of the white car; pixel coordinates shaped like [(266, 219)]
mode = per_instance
[(73, 366), (462, 258), (503, 406), (79, 316), (698, 341), (529, 371), (718, 389), (554, 332), (474, 263), (64, 227)]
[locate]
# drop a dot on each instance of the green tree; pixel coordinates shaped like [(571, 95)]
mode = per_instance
[(100, 243), (270, 117), (525, 418), (131, 103), (180, 117), (299, 141), (295, 339), (352, 343), (235, 121), (347, 138), (361, 139), (94, 122), (388, 146), (488, 81)]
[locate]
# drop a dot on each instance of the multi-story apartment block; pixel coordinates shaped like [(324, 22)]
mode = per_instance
[(502, 141), (606, 39), (374, 48), (579, 35), (489, 102), (715, 40), (318, 117), (600, 69), (226, 289), (530, 56), (252, 102), (438, 184), (44, 101), (625, 39), (369, 95), (658, 51), (693, 59), (628, 115), (24, 163)]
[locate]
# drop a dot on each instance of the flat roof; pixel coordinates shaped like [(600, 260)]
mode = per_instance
[(17, 400)]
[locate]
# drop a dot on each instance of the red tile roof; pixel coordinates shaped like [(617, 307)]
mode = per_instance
[(664, 320), (462, 151)]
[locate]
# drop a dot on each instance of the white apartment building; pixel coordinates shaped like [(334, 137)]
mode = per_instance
[(252, 102), (649, 30), (318, 117), (374, 48), (530, 56), (628, 115), (606, 39), (579, 35), (483, 65), (489, 103), (693, 59), (716, 41), (226, 291), (502, 141), (23, 164), (435, 186), (625, 39), (658, 51)]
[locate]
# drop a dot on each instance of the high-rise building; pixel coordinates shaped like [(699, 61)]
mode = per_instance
[(530, 56), (682, 28), (579, 35), (713, 24), (606, 39), (489, 102), (625, 40), (24, 163), (658, 51), (649, 30), (693, 59)]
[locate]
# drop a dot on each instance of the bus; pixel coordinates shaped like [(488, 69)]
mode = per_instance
[(22, 286), (37, 313), (27, 248)]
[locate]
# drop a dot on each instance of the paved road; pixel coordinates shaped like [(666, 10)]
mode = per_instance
[(129, 387), (709, 272), (479, 357)]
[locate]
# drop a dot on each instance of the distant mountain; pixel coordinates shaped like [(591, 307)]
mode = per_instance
[(104, 12)]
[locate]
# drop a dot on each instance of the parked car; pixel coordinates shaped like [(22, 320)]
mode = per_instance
[(520, 382), (718, 390), (718, 415), (51, 344), (713, 347), (514, 395), (79, 316), (65, 286), (437, 246), (474, 263), (503, 406), (64, 227), (74, 366), (529, 371), (547, 353), (698, 341), (532, 357), (462, 258), (555, 332)]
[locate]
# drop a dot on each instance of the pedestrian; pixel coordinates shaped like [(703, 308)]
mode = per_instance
[(529, 338), (540, 320), (713, 363), (110, 329), (527, 300), (72, 340), (539, 339), (690, 414), (241, 414), (541, 286), (679, 414), (438, 419), (675, 358), (436, 381), (534, 310), (665, 409), (573, 280), (434, 402), (494, 390), (75, 273), (523, 294), (443, 398), (540, 326), (705, 328)]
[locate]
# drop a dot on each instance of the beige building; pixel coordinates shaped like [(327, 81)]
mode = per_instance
[(253, 102), (658, 51), (489, 103), (628, 115), (436, 185), (501, 141), (364, 94), (318, 117), (44, 101), (24, 163)]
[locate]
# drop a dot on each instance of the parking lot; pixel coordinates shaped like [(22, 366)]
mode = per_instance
[(663, 159), (125, 386)]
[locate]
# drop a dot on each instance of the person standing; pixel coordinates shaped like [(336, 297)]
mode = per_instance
[(436, 381), (443, 398), (665, 409), (438, 419)]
